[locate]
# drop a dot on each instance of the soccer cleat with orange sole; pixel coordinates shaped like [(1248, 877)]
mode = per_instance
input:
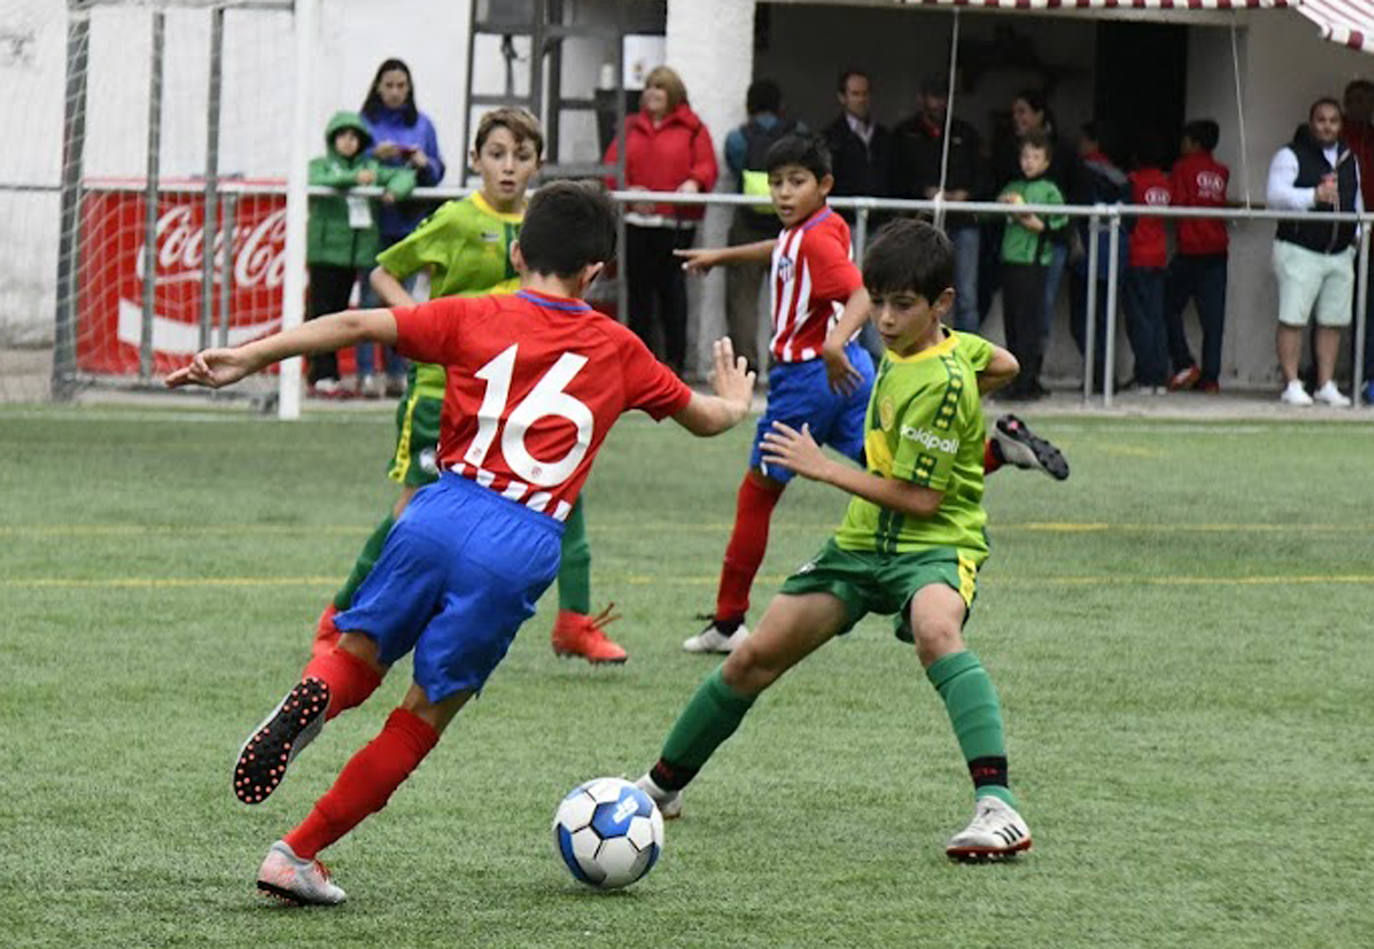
[(996, 832), (277, 740), (580, 635), (296, 881)]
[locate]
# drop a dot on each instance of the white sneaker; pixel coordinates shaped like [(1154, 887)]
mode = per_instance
[(1295, 394), (372, 386), (711, 639), (996, 832), (296, 881), (1331, 395), (669, 802)]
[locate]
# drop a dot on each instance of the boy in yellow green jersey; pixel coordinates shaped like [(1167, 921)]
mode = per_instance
[(911, 542), (465, 247)]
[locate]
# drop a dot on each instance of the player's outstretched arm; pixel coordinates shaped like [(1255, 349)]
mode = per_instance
[(734, 387), (798, 451), (221, 367), (699, 260), (391, 291), (1000, 371)]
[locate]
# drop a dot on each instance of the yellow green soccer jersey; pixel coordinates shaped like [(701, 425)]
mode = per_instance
[(465, 245), (925, 425)]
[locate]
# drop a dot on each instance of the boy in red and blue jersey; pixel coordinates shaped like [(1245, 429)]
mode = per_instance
[(814, 285), (534, 383)]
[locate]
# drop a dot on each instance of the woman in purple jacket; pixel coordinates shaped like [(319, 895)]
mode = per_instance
[(401, 135)]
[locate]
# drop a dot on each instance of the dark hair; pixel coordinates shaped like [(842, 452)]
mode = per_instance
[(805, 150), (1150, 149), (372, 105), (521, 124), (1354, 84), (909, 255), (1205, 132), (1036, 138), (842, 84), (1324, 100), (1035, 98), (568, 225), (934, 84), (764, 95)]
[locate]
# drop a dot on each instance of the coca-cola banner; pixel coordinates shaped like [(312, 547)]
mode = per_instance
[(110, 291)]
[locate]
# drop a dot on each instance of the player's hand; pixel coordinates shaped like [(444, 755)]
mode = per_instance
[(211, 368), (795, 450), (388, 198), (386, 151), (839, 371), (418, 159), (698, 260), (730, 377), (366, 176)]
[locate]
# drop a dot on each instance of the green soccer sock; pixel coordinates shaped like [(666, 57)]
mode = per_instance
[(367, 557), (711, 716), (971, 701), (575, 571)]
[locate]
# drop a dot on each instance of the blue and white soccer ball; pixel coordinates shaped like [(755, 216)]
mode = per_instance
[(608, 833)]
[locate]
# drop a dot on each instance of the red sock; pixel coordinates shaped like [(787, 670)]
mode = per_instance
[(350, 680), (992, 458), (365, 784), (748, 541)]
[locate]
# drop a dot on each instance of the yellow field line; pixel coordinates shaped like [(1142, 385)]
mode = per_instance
[(137, 583)]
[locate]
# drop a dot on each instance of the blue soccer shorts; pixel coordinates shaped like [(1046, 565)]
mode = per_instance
[(461, 570), (799, 394)]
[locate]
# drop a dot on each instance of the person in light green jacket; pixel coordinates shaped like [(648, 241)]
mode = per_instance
[(342, 237), (1026, 252)]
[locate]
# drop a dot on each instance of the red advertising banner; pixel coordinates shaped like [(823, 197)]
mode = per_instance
[(111, 280)]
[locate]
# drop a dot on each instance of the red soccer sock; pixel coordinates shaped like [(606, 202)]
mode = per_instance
[(366, 783), (748, 541), (992, 457), (350, 680)]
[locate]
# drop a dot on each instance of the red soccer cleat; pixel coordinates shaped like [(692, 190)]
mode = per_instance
[(326, 633), (577, 634)]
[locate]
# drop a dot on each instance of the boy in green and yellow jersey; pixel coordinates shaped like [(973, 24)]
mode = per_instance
[(911, 542), (465, 247)]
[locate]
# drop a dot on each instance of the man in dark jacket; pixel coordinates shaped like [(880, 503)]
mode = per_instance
[(1314, 262), (860, 148), (918, 154)]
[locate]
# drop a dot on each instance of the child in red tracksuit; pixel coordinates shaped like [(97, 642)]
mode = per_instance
[(1198, 270), (1148, 254)]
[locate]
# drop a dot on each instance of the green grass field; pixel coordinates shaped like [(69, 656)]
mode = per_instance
[(1181, 634)]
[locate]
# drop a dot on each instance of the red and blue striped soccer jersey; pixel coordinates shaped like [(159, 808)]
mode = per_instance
[(535, 383), (813, 275)]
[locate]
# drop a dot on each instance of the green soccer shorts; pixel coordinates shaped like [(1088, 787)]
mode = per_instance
[(417, 439), (870, 582)]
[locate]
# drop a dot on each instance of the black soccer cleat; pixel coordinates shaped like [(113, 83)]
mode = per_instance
[(1025, 449), (281, 736)]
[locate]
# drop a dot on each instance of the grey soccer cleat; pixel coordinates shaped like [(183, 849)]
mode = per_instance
[(298, 882), (1025, 449), (713, 639)]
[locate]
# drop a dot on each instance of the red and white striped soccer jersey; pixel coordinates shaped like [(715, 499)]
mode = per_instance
[(813, 275), (535, 383)]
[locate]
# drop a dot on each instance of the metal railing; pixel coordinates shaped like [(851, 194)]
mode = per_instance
[(229, 192)]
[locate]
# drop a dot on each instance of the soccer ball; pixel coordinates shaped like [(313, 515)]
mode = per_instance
[(608, 833)]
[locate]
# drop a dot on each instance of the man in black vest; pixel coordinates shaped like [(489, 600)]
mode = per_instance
[(860, 148), (1314, 261), (745, 148), (918, 153)]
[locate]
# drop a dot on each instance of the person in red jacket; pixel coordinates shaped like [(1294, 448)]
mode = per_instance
[(1148, 254), (1198, 270), (667, 148)]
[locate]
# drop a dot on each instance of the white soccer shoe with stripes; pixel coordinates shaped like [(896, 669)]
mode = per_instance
[(669, 802), (995, 833), (293, 880)]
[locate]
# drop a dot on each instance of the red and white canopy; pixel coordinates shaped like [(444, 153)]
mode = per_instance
[(1348, 22)]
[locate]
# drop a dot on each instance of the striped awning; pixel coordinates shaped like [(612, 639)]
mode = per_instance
[(1348, 22)]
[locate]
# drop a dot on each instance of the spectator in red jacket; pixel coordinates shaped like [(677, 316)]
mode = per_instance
[(1147, 256), (667, 148), (1358, 132), (1198, 270)]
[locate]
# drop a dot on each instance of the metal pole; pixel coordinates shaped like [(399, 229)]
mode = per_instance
[(73, 149), (860, 234), (297, 201), (226, 266), (150, 209), (210, 227), (1113, 274), (949, 119), (1240, 111), (622, 284), (1090, 318), (1361, 314)]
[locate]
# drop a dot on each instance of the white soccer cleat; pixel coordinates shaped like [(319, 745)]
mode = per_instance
[(1295, 394), (296, 881), (669, 802), (995, 833), (1331, 396), (712, 639)]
